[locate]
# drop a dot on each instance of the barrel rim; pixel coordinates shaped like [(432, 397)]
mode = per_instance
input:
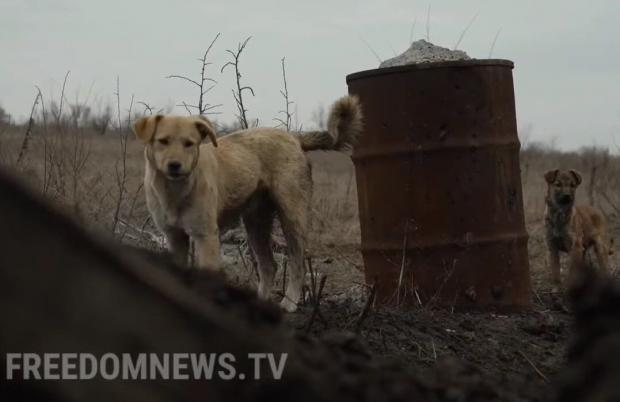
[(430, 65)]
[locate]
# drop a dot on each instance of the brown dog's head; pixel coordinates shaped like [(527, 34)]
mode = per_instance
[(561, 186), (173, 142)]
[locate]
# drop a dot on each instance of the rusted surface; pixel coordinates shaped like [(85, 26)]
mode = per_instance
[(439, 186)]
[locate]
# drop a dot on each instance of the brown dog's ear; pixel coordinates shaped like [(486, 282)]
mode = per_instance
[(145, 127), (551, 175), (576, 175), (205, 128)]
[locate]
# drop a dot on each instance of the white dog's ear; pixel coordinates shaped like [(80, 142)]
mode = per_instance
[(576, 175), (145, 127), (551, 175), (206, 129)]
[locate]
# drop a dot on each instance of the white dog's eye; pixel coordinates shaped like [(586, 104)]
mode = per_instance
[(188, 144), (163, 141)]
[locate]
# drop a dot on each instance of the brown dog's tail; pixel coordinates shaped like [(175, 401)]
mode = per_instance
[(344, 125)]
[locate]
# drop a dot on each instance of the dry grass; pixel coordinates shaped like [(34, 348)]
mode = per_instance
[(79, 170), (81, 173)]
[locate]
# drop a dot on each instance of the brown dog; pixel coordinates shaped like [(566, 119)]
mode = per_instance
[(196, 190), (572, 229)]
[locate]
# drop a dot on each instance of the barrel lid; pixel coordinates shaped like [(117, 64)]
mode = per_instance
[(428, 66)]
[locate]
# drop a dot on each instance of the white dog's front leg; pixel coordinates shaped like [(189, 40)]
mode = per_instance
[(208, 250)]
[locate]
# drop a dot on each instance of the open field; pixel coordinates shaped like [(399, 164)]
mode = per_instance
[(97, 180)]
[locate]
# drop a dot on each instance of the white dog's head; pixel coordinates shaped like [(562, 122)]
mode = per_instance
[(173, 142)]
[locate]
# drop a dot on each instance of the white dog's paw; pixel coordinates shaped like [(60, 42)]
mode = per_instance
[(288, 305)]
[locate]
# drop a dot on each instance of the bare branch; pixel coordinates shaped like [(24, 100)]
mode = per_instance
[(286, 121), (238, 95), (146, 107), (184, 78), (202, 106)]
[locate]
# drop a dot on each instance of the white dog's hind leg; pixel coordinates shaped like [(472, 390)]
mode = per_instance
[(258, 226), (296, 269), (293, 212)]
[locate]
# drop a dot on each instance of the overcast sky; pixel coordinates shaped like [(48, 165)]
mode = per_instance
[(567, 53)]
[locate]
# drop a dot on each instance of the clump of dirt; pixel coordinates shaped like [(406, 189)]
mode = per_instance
[(593, 370), (460, 355), (422, 51)]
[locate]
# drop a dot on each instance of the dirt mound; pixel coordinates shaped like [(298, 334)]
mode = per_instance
[(593, 370), (477, 356)]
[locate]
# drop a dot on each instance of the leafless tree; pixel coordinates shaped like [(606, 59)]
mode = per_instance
[(5, 118), (319, 117), (79, 114), (101, 121)]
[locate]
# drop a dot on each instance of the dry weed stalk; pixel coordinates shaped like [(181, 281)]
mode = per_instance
[(62, 98), (371, 49), (317, 294), (494, 42), (121, 174), (238, 94), (202, 107), (540, 373), (402, 265), (367, 306), (148, 108), (428, 23), (24, 147), (65, 155), (412, 30), (471, 22), (285, 122)]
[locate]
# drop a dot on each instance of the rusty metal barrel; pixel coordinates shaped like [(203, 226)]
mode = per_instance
[(439, 185)]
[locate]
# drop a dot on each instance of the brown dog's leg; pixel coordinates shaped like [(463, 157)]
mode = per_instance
[(602, 254), (554, 265), (258, 225), (577, 263), (208, 249), (178, 244)]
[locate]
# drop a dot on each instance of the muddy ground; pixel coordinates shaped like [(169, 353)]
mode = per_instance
[(485, 356)]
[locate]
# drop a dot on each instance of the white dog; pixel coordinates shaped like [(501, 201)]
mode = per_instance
[(197, 190)]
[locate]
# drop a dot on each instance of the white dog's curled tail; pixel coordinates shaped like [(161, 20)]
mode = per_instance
[(344, 125)]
